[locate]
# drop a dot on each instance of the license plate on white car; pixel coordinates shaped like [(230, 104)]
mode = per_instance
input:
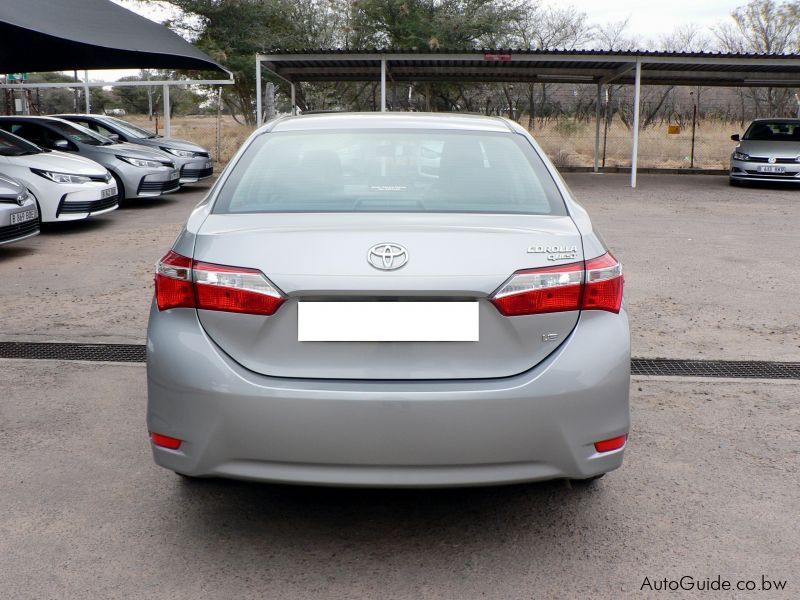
[(108, 193), (771, 169), (22, 217), (387, 321)]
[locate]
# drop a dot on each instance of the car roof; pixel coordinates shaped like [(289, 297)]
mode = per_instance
[(776, 120), (32, 118), (397, 120)]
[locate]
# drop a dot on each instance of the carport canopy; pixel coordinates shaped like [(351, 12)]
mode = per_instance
[(61, 35), (600, 67)]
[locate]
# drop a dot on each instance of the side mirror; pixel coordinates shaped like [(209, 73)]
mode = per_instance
[(735, 137), (113, 137), (62, 145)]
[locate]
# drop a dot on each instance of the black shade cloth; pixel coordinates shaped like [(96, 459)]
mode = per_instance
[(59, 35)]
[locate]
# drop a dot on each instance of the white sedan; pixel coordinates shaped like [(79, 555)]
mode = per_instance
[(66, 187)]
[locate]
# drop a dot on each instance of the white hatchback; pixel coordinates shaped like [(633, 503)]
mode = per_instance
[(66, 187)]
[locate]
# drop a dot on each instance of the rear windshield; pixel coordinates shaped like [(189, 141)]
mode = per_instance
[(773, 131), (390, 171)]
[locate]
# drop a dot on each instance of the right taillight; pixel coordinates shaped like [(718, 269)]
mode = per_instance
[(595, 284), (184, 283), (604, 283)]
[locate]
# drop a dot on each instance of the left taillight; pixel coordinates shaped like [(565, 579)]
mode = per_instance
[(184, 283), (174, 287), (595, 284)]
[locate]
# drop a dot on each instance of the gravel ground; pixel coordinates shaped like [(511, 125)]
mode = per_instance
[(708, 267), (710, 487)]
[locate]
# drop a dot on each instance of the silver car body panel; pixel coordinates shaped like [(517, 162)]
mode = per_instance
[(253, 403)]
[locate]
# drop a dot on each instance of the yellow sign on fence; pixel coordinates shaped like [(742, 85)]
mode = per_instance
[(673, 129)]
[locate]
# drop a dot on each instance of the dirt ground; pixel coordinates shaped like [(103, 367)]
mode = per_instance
[(708, 267), (710, 487)]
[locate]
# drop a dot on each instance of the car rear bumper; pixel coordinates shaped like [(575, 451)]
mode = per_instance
[(541, 424)]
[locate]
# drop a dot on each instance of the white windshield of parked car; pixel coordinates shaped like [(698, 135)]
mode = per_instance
[(777, 131), (80, 134), (129, 129), (390, 171), (12, 145)]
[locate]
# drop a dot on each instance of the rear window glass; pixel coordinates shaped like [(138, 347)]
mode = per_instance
[(390, 171), (775, 132)]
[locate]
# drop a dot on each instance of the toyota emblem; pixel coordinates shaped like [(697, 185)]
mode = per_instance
[(387, 257)]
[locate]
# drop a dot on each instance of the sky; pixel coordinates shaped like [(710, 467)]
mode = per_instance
[(648, 20)]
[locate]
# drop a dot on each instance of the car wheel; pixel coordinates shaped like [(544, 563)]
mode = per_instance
[(735, 182)]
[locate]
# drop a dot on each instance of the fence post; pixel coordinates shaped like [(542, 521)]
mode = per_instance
[(597, 129), (219, 126), (637, 94)]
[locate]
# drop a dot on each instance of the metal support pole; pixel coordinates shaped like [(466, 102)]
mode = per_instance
[(259, 110), (86, 96), (167, 115), (294, 108), (383, 85), (637, 89), (597, 128)]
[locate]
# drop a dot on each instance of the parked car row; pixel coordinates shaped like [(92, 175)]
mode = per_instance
[(69, 167)]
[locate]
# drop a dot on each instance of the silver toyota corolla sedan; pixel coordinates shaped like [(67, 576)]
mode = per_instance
[(768, 151), (334, 313), (193, 161)]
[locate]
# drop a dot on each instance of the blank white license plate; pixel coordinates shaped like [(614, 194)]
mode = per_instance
[(771, 169), (387, 321), (21, 217)]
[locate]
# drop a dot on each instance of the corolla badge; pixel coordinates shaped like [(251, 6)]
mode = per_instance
[(387, 256), (555, 252)]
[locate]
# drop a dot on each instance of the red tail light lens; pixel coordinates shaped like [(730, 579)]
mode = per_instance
[(612, 444), (183, 283), (535, 291), (593, 285), (164, 441), (174, 282), (604, 283), (233, 289)]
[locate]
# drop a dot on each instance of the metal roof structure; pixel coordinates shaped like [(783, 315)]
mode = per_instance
[(58, 35), (540, 66), (66, 35), (486, 65)]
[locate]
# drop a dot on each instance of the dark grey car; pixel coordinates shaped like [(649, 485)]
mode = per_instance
[(19, 218), (193, 161)]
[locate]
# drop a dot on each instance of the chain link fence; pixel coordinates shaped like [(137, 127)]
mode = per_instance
[(680, 127)]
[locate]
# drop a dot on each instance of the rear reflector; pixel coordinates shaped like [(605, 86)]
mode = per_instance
[(183, 283), (594, 285), (612, 444), (164, 441)]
